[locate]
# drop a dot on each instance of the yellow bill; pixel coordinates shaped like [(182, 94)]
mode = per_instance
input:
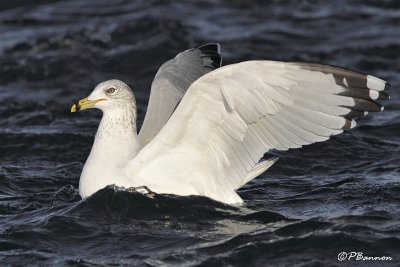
[(84, 104)]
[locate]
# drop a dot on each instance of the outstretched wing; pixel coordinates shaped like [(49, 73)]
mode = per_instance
[(230, 117), (171, 82)]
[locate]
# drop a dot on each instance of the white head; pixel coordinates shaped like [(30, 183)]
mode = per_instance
[(116, 139), (108, 95)]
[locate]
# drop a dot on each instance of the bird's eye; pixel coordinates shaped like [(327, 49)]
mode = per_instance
[(110, 90)]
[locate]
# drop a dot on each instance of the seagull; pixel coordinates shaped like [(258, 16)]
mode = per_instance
[(208, 127)]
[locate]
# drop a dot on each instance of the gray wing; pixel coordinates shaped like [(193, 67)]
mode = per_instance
[(172, 81)]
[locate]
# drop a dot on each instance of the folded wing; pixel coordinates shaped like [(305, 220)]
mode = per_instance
[(230, 117)]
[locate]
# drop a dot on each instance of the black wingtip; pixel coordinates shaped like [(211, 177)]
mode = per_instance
[(213, 52), (383, 96), (210, 47), (387, 86)]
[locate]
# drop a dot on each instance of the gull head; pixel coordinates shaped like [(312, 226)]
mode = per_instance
[(111, 94)]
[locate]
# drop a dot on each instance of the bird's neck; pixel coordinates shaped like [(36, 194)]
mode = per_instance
[(116, 136), (117, 123)]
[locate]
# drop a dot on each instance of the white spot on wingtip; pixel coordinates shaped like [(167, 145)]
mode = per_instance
[(365, 113), (345, 81), (373, 94), (382, 108), (353, 124), (375, 83)]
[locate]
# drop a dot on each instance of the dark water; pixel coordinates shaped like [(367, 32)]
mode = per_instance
[(341, 195)]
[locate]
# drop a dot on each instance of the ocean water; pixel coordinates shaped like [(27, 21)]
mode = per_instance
[(342, 195)]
